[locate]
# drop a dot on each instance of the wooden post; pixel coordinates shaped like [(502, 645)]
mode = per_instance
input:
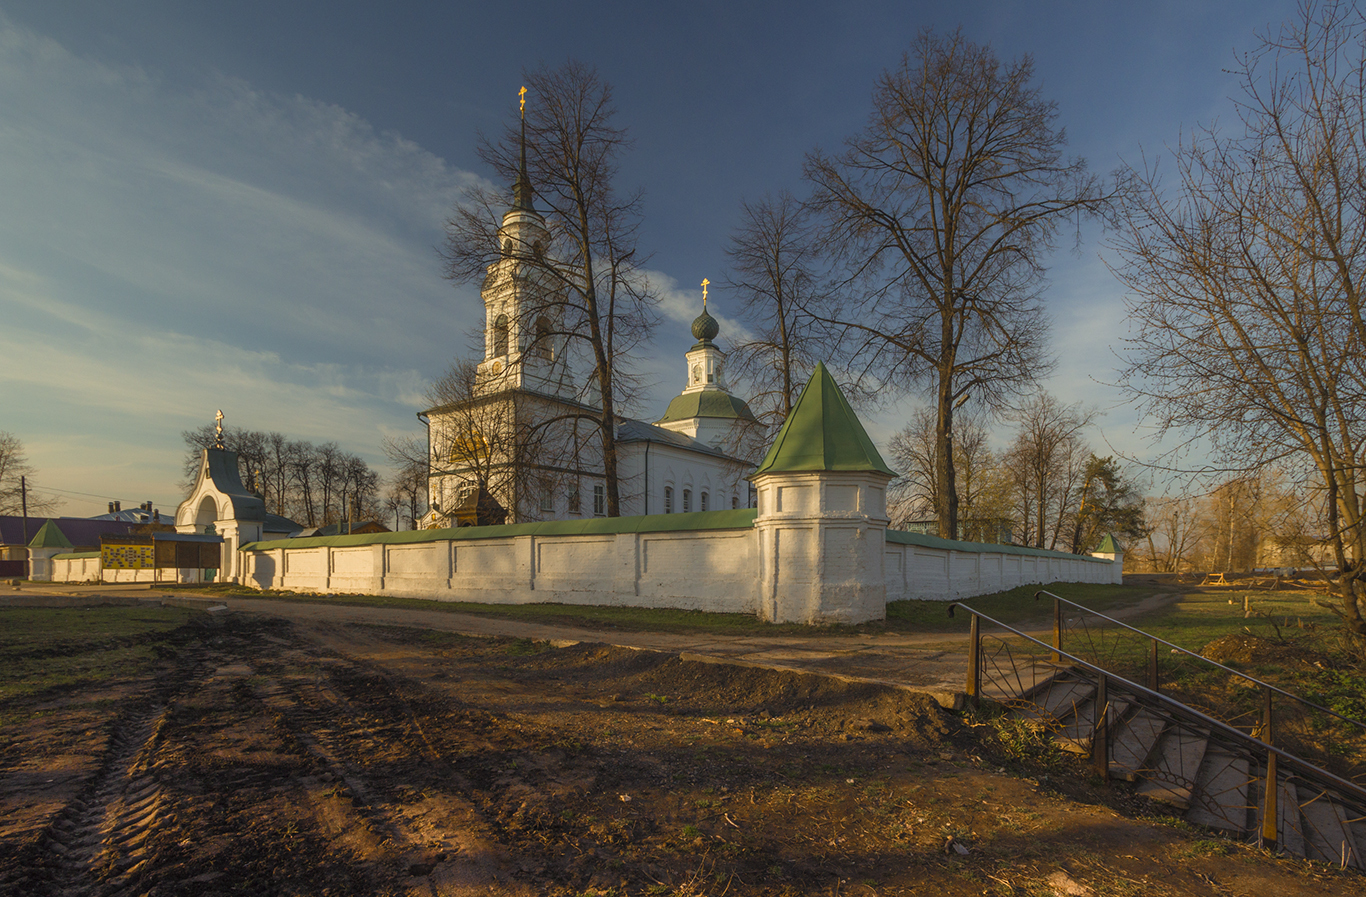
[(1100, 739), (1153, 681), (1270, 811), (1057, 630), (975, 660)]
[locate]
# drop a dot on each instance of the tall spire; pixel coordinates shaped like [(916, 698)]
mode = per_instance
[(521, 189)]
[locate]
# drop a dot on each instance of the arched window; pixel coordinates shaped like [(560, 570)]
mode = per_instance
[(500, 335), (543, 347), (507, 247), (705, 502), (734, 502), (668, 499), (687, 500)]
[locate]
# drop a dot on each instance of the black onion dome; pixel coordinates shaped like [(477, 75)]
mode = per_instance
[(705, 328)]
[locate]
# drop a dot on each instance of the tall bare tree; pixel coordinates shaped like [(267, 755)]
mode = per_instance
[(1247, 274), (483, 442), (943, 210), (1048, 464), (14, 467), (589, 279), (775, 274), (985, 490)]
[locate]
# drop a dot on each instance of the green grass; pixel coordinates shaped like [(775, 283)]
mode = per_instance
[(42, 649), (1199, 617), (638, 619), (1014, 607)]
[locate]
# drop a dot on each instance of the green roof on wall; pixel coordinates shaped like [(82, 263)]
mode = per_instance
[(50, 536), (822, 433)]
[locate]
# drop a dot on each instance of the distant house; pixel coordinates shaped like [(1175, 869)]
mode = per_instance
[(84, 535)]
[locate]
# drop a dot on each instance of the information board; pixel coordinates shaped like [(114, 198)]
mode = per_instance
[(127, 557)]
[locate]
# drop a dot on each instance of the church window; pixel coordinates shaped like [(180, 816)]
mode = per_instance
[(668, 499), (697, 373), (507, 247), (734, 502), (599, 501), (711, 373), (543, 347), (574, 506), (547, 500), (687, 500), (704, 500), (500, 335)]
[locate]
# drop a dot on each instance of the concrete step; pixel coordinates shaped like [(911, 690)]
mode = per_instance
[(1222, 791), (1175, 768), (1058, 700), (1327, 834), (1133, 743)]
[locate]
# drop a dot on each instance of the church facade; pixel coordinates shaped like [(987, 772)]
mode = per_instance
[(520, 439)]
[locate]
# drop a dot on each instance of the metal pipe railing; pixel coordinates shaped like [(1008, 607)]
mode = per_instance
[(1275, 757), (1267, 687)]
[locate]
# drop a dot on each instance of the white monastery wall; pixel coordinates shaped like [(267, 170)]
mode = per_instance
[(813, 572), (705, 569)]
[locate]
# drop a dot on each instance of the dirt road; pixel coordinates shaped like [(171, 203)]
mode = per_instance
[(267, 756)]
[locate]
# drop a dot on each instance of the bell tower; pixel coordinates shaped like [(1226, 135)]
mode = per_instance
[(523, 344)]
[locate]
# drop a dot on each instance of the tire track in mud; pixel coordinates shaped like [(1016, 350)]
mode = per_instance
[(348, 715), (94, 847)]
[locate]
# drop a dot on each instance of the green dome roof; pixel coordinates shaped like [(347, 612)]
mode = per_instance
[(705, 328), (706, 403), (822, 433)]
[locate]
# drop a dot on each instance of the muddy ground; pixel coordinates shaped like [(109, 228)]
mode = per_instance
[(264, 757)]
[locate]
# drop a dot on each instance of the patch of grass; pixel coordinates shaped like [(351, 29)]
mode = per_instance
[(522, 647), (1198, 617), (635, 619), (1013, 607), (71, 648)]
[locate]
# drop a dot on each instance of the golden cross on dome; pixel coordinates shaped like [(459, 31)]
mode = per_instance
[(704, 293), (521, 95), (218, 429)]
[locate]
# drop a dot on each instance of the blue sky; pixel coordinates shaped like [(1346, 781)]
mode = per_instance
[(237, 205)]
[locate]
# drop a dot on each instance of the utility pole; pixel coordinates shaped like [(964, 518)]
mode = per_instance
[(23, 501)]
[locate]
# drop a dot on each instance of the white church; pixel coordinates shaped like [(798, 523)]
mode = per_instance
[(519, 448)]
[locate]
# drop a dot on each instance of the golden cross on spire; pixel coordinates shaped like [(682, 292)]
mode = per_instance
[(218, 429), (521, 95), (704, 293)]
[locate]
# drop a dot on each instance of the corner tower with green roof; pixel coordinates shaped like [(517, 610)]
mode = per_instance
[(822, 518), (45, 544)]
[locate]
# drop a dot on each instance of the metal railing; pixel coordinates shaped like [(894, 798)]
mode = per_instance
[(1013, 681), (1296, 713)]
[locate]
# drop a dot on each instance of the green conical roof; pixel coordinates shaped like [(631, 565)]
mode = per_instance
[(822, 433), (50, 536), (1108, 545)]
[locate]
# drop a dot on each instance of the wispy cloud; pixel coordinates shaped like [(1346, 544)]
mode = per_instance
[(169, 250)]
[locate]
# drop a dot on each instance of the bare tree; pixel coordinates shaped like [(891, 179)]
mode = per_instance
[(589, 289), (14, 467), (1048, 464), (774, 259), (985, 489), (942, 211), (1173, 534), (1246, 279)]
